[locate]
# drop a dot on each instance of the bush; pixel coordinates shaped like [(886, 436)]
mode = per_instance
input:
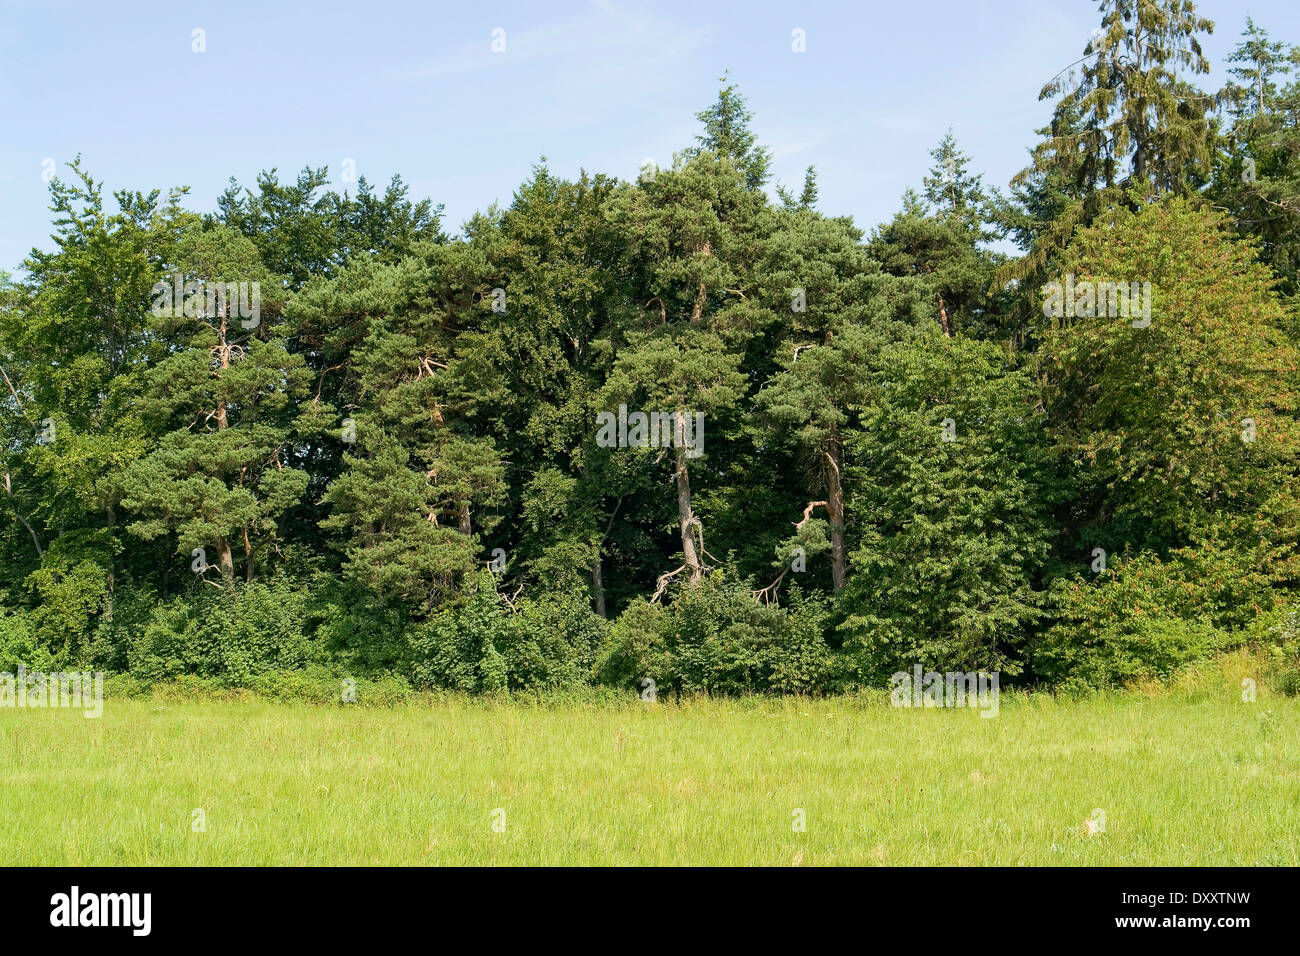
[(1142, 619), (480, 644), (552, 641), (122, 686), (233, 637), (457, 647), (18, 644), (717, 638), (1278, 634), (355, 629)]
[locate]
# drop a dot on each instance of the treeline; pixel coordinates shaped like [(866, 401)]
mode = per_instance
[(676, 429)]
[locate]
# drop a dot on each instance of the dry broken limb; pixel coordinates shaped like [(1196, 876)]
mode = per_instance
[(511, 600), (661, 584), (663, 311), (768, 594)]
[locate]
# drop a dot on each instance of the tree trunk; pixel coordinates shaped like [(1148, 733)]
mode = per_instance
[(835, 509), (226, 562), (111, 520), (224, 357), (597, 587), (462, 518), (40, 552), (687, 520)]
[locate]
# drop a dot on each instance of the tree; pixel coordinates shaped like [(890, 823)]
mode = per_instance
[(1179, 422), (1258, 175), (941, 241), (693, 234), (949, 492), (223, 401), (1264, 60), (727, 134), (1128, 119), (843, 313), (72, 350), (406, 500)]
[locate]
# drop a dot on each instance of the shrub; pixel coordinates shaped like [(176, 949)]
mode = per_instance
[(481, 644), (1278, 633), (552, 641), (356, 630), (457, 648), (1142, 619), (18, 644), (715, 637), (230, 636)]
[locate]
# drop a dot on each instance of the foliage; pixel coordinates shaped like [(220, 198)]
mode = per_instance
[(400, 469), (716, 638)]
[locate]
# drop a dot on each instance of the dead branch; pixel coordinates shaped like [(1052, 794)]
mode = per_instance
[(663, 312), (807, 512), (767, 595), (662, 584), (510, 601)]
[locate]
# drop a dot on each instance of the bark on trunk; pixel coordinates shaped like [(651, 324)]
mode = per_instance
[(835, 510), (224, 355), (686, 519), (226, 562), (598, 587)]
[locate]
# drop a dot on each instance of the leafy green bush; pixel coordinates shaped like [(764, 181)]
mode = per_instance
[(1278, 633), (71, 589), (356, 630), (552, 641), (18, 644), (457, 648), (718, 639), (480, 644), (231, 636), (1143, 618)]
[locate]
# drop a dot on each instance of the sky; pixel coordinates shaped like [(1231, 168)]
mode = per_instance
[(602, 85)]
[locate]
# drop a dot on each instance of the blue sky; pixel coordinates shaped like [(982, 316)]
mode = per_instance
[(415, 88)]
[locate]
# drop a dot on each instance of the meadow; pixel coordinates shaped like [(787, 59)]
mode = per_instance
[(1188, 776)]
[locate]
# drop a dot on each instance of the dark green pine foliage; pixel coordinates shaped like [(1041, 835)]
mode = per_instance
[(404, 509), (222, 403), (1258, 175), (941, 240)]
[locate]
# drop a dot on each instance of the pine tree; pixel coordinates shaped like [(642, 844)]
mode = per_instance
[(727, 134), (221, 474), (693, 233), (1127, 124)]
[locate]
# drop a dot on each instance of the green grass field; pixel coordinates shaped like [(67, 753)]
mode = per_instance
[(1189, 777)]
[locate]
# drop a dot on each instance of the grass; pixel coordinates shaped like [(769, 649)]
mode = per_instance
[(1194, 776)]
